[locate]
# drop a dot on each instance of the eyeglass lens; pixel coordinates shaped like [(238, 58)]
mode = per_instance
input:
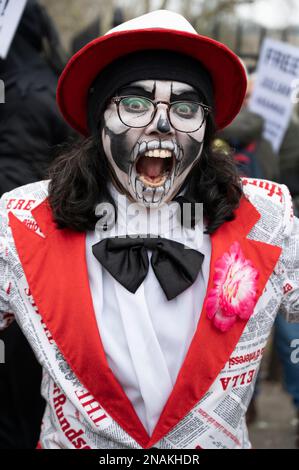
[(137, 111)]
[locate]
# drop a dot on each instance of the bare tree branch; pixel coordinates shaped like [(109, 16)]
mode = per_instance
[(186, 10), (222, 6), (214, 8), (147, 6), (107, 16), (164, 4)]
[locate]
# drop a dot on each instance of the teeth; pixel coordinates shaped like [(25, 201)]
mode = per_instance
[(153, 196), (136, 151), (138, 188), (167, 145), (142, 147), (166, 185), (176, 151), (153, 144), (156, 197), (158, 153)]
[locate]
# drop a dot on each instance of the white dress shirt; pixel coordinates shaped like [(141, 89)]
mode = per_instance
[(145, 336)]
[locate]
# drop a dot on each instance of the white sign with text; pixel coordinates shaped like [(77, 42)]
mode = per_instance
[(272, 97), (10, 15)]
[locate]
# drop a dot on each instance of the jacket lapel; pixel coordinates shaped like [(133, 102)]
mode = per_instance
[(210, 348), (56, 271)]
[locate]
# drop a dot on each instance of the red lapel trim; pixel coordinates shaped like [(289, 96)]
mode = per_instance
[(56, 271), (210, 349)]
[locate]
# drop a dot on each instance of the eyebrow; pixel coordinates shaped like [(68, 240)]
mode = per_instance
[(135, 90), (185, 95), (191, 95)]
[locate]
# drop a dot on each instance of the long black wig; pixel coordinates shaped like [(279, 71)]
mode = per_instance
[(79, 180)]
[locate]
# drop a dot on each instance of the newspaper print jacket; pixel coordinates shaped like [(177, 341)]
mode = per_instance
[(44, 285)]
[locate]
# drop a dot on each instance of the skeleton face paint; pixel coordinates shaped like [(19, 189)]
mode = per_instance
[(152, 162)]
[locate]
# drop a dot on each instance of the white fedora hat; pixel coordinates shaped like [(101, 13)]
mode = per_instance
[(158, 30)]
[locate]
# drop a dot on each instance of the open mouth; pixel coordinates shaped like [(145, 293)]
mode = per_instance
[(155, 166)]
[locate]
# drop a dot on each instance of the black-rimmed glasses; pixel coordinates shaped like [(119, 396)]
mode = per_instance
[(138, 111)]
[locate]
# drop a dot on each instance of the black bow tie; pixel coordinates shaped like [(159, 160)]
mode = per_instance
[(126, 259)]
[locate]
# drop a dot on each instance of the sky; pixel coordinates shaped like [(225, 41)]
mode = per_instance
[(269, 13), (272, 13)]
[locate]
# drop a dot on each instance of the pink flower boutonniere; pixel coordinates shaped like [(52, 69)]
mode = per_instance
[(235, 288)]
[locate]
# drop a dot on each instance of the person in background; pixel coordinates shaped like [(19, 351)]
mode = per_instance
[(284, 335), (30, 128), (30, 122), (284, 332), (256, 159), (253, 154), (289, 158)]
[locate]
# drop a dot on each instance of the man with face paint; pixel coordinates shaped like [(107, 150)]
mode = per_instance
[(153, 161), (151, 146), (150, 332)]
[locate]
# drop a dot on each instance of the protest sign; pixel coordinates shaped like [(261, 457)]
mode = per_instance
[(10, 15), (275, 86)]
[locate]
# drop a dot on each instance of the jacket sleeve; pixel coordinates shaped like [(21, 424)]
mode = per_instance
[(289, 267), (6, 314)]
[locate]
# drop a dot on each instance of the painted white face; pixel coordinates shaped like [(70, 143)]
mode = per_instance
[(152, 162)]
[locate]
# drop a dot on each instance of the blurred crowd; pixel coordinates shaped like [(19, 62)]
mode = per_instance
[(31, 131)]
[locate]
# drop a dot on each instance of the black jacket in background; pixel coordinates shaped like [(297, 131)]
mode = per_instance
[(246, 129), (30, 128), (30, 122)]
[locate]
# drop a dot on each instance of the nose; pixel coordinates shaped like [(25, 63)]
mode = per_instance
[(160, 124)]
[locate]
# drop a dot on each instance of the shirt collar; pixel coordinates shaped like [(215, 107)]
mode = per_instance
[(135, 218)]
